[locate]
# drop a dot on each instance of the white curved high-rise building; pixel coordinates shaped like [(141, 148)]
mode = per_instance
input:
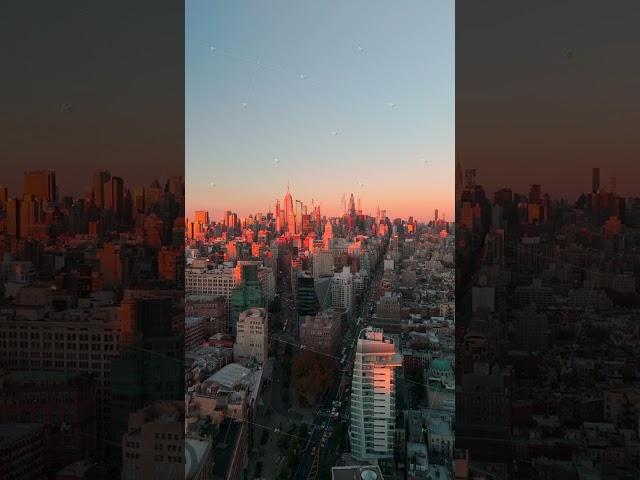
[(373, 392)]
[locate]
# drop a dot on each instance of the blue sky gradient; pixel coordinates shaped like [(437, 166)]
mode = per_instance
[(348, 96)]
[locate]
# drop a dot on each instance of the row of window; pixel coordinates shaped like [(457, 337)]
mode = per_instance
[(61, 364), (168, 436), (83, 337), (57, 345), (170, 458)]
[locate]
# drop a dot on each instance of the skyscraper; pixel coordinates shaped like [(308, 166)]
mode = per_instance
[(13, 217), (373, 409), (30, 212), (322, 263), (202, 216), (470, 179), (352, 205), (595, 179), (100, 177), (251, 336), (288, 212), (535, 194), (306, 296), (114, 195), (277, 217), (298, 213), (246, 295), (343, 292), (4, 196), (41, 184), (327, 236)]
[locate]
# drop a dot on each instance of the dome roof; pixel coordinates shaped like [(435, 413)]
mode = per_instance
[(368, 474), (440, 365)]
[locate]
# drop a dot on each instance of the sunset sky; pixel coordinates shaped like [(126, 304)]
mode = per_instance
[(332, 97), (124, 92), (526, 112)]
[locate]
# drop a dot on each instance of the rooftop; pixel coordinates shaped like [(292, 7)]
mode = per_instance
[(366, 472), (191, 321), (229, 375), (441, 365), (195, 452)]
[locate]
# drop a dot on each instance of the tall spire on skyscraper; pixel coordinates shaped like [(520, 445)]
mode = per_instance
[(289, 215), (352, 205)]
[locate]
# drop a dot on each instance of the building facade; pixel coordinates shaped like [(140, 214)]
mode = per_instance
[(343, 294), (321, 332), (373, 409), (153, 446), (251, 339)]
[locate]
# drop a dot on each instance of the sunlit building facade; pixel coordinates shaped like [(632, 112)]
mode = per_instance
[(373, 407)]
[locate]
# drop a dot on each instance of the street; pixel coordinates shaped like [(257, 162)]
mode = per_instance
[(274, 416), (324, 424)]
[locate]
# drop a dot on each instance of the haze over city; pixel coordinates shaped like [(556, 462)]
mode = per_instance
[(549, 106)]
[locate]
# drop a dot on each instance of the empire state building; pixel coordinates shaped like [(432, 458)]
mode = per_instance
[(288, 212)]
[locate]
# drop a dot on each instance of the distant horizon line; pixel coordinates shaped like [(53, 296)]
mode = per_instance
[(420, 219), (89, 186)]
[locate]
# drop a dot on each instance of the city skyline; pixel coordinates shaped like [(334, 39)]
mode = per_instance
[(337, 240), (546, 106), (216, 215), (278, 95), (610, 180), (81, 186), (97, 99)]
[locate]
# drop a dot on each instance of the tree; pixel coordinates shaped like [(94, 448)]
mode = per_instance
[(283, 441), (285, 397), (312, 374), (292, 453), (341, 436), (284, 473), (275, 305)]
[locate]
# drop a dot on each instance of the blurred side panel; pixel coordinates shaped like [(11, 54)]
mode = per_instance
[(548, 217), (92, 239)]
